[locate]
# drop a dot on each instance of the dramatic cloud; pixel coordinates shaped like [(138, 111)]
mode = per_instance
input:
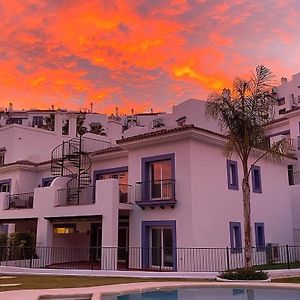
[(138, 54)]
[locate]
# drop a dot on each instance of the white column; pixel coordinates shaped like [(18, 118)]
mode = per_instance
[(44, 233), (58, 123), (72, 125), (107, 193), (3, 201)]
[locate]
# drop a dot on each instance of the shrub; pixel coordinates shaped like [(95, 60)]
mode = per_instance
[(244, 274), (21, 245)]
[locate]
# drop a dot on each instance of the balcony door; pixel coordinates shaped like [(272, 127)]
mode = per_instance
[(160, 174), (161, 248)]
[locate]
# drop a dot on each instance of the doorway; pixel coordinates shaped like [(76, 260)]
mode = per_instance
[(96, 241), (161, 248), (159, 245)]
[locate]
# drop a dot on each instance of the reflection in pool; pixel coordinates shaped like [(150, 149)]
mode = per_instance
[(212, 294)]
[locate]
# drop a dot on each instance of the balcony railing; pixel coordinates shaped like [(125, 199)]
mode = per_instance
[(70, 197), (156, 192), (73, 196), (20, 201), (125, 193)]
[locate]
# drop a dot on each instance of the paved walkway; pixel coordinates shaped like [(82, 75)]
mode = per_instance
[(96, 292), (143, 274)]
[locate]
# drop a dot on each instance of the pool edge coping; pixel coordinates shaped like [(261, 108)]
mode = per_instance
[(117, 289)]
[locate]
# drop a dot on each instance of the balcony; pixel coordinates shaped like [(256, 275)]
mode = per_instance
[(20, 201), (71, 197), (125, 193), (155, 193)]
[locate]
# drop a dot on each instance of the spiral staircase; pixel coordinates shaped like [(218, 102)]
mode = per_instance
[(70, 160)]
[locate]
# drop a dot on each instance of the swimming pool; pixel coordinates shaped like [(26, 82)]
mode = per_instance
[(212, 294)]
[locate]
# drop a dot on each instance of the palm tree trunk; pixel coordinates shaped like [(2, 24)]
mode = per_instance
[(247, 218)]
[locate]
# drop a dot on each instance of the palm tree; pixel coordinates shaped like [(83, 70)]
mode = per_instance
[(97, 128), (244, 113), (49, 122)]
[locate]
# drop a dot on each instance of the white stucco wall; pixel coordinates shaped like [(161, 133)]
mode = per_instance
[(205, 206)]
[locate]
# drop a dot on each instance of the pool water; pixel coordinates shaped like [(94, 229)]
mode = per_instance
[(212, 294)]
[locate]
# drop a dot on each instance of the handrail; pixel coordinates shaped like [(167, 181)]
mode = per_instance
[(19, 201)]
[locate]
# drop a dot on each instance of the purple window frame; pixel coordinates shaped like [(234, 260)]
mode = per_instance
[(259, 246), (6, 181), (233, 248), (256, 170), (145, 172), (47, 180), (235, 185), (105, 171), (146, 225)]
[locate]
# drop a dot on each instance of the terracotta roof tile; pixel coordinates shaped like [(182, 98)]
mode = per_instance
[(167, 131)]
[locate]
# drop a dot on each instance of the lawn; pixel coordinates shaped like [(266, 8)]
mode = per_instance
[(287, 280), (51, 282), (292, 265)]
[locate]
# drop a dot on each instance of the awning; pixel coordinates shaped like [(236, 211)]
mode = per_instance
[(94, 218)]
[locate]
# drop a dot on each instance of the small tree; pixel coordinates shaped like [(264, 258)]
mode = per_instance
[(97, 128), (80, 129), (243, 113), (49, 122)]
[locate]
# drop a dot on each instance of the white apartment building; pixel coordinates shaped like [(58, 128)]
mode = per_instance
[(156, 186)]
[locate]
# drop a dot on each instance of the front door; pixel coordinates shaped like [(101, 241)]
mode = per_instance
[(96, 241), (161, 248)]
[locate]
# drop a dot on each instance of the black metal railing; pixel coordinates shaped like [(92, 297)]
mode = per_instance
[(74, 196), (155, 190), (294, 177), (20, 201), (125, 193), (155, 258)]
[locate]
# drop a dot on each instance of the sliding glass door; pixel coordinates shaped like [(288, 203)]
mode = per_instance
[(161, 247)]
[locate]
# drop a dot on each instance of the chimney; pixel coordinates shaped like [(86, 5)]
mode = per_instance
[(114, 130), (117, 111), (10, 107), (283, 80), (52, 107), (92, 107)]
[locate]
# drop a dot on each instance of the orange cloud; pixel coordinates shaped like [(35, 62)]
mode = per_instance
[(138, 53)]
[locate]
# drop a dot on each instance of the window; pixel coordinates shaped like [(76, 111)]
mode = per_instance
[(37, 121), (159, 244), (2, 155), (256, 179), (5, 186), (158, 177), (120, 173), (47, 181), (181, 121), (64, 228), (281, 101), (291, 174), (232, 175), (259, 235), (235, 236), (281, 111)]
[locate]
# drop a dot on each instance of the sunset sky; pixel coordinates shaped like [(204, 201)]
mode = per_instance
[(139, 54)]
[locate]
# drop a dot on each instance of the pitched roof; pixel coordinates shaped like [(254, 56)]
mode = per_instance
[(167, 131)]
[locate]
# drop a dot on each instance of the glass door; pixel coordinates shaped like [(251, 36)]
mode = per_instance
[(160, 180), (161, 247)]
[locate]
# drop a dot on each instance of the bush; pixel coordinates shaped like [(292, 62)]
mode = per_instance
[(244, 274), (21, 245)]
